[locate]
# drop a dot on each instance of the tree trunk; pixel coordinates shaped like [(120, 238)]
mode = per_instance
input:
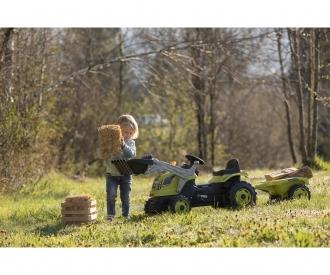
[(121, 68), (198, 81), (311, 85), (212, 125), (286, 100), (5, 47), (315, 88), (200, 116), (43, 68), (295, 50), (201, 129), (6, 61)]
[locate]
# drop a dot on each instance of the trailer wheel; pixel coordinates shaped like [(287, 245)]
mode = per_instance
[(299, 191), (242, 194), (180, 204), (274, 198)]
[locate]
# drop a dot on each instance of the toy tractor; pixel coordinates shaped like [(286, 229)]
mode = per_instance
[(174, 189)]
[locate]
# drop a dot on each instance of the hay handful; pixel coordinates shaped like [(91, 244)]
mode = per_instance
[(109, 137)]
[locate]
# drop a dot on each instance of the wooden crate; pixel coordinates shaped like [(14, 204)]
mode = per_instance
[(77, 211), (78, 218)]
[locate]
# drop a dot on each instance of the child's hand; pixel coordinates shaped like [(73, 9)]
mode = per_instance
[(122, 143)]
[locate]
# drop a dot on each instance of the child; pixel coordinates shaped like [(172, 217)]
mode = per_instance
[(130, 131)]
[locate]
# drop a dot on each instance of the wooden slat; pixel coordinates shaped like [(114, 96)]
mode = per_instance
[(80, 201), (79, 211), (81, 204), (81, 218), (78, 214), (77, 207), (77, 223)]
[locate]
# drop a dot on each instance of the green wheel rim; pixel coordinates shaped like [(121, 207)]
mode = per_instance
[(181, 206), (300, 193), (243, 197)]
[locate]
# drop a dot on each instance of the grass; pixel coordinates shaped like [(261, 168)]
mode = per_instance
[(322, 164), (32, 218)]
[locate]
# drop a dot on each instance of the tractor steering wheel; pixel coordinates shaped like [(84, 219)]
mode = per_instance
[(192, 159)]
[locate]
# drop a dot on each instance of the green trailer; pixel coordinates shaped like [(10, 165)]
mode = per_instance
[(287, 188)]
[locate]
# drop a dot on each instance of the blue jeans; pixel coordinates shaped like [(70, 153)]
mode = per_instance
[(124, 183)]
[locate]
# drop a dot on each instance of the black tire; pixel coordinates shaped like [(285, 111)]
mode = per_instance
[(242, 194), (180, 204), (153, 206), (298, 191)]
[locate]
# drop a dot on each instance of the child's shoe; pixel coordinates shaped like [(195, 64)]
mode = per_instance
[(110, 218), (127, 218)]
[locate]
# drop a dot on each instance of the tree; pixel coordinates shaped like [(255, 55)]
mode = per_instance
[(25, 133), (307, 84), (294, 36), (286, 101)]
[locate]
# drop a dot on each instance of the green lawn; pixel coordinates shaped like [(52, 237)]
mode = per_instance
[(32, 218)]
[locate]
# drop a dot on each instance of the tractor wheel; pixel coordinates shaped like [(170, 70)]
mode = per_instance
[(242, 194), (152, 207), (299, 191), (180, 204)]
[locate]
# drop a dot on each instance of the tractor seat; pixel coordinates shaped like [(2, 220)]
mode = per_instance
[(231, 168)]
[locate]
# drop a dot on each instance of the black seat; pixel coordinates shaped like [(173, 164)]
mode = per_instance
[(231, 168)]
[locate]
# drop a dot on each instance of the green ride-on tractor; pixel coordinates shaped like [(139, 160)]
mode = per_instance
[(175, 190)]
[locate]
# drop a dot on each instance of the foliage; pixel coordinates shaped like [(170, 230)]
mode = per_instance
[(26, 129), (205, 86), (322, 164)]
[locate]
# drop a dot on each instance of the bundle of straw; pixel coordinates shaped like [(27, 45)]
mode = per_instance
[(109, 140)]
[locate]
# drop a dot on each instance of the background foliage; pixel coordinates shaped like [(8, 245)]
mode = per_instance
[(216, 93)]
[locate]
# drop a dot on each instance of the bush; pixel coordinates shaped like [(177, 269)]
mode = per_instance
[(322, 164)]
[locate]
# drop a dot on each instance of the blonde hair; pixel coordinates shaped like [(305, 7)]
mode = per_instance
[(130, 120)]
